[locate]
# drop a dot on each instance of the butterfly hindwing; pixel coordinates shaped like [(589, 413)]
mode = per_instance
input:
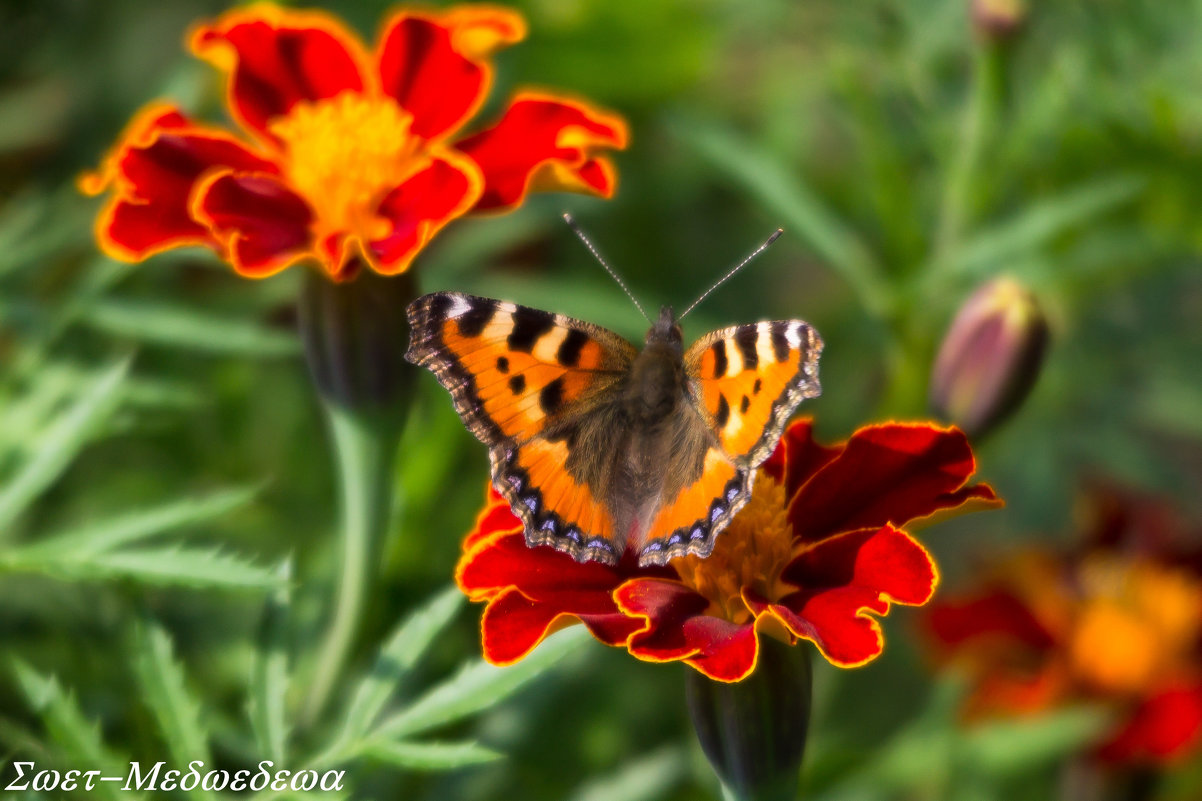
[(744, 383), (520, 378)]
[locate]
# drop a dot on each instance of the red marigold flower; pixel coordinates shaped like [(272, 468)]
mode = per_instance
[(1118, 620), (819, 545), (350, 155)]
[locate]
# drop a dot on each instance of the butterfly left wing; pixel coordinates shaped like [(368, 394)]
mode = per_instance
[(743, 384), (524, 381)]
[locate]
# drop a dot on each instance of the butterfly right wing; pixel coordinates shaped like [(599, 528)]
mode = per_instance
[(524, 381)]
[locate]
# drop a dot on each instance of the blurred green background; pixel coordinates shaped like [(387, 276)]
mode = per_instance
[(907, 159)]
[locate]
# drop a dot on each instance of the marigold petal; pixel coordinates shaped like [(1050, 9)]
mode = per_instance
[(152, 172), (544, 142), (678, 628), (1164, 728), (889, 473), (844, 577), (420, 207), (261, 224), (802, 457), (513, 625), (277, 58), (433, 66), (541, 574)]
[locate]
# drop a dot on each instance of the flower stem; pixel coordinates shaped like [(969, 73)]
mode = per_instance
[(364, 449), (355, 334)]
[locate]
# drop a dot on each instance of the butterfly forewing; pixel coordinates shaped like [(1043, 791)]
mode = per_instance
[(744, 383), (748, 380), (525, 383)]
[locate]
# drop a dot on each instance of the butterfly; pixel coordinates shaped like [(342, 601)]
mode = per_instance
[(600, 447)]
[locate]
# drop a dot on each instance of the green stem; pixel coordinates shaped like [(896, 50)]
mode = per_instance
[(980, 118), (364, 445)]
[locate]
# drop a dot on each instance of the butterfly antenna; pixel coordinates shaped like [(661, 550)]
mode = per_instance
[(732, 272), (592, 249)]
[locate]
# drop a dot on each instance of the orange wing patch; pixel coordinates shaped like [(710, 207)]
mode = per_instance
[(555, 509), (510, 369), (748, 381), (676, 529)]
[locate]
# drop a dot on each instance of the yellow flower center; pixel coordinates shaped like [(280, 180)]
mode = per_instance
[(1139, 621), (750, 553), (344, 154)]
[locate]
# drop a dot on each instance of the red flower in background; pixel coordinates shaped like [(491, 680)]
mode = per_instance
[(350, 155), (819, 547), (1118, 620)]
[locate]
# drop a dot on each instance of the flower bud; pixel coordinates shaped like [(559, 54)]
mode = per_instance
[(998, 19), (990, 357), (355, 333), (754, 731)]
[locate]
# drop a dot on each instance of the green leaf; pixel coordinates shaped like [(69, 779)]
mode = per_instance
[(646, 778), (269, 673), (478, 686), (431, 756), (991, 248), (79, 739), (90, 539), (167, 566), (179, 326), (397, 657), (165, 693), (784, 192), (60, 444)]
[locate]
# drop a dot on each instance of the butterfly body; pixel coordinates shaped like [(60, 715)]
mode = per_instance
[(601, 448)]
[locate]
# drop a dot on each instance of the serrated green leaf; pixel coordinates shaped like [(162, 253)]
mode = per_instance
[(167, 566), (431, 756), (188, 566), (649, 777), (476, 687), (269, 672), (397, 657), (83, 542), (60, 444), (182, 327), (166, 695), (78, 738)]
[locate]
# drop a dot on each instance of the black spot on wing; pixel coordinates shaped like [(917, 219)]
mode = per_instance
[(744, 404), (755, 390), (745, 339), (471, 323), (723, 411), (780, 343), (550, 397), (502, 365), (517, 383), (720, 362), (528, 326), (568, 354)]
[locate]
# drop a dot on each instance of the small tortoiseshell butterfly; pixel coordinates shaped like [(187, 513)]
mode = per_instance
[(600, 447)]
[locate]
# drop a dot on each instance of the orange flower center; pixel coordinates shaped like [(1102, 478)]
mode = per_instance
[(1138, 622), (344, 154), (749, 554)]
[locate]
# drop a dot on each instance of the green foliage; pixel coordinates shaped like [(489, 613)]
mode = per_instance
[(168, 513)]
